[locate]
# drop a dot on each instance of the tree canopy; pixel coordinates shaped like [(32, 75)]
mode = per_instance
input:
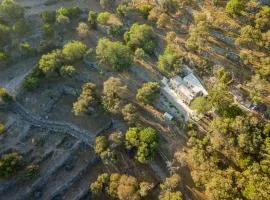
[(141, 36), (115, 54)]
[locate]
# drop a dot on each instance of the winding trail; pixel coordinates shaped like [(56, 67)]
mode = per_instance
[(55, 126)]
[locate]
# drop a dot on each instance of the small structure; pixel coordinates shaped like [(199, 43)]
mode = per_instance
[(168, 116), (181, 91)]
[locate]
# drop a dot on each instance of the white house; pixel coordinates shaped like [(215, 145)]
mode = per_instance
[(181, 91)]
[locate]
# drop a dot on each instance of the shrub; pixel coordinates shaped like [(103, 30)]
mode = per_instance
[(103, 18)]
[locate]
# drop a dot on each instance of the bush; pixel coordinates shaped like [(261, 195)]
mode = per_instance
[(114, 53), (26, 48), (19, 27), (49, 62), (72, 12), (145, 10), (48, 17), (170, 60), (31, 171), (103, 18), (163, 20), (83, 30), (73, 51), (235, 6), (87, 98), (3, 55), (62, 19), (32, 80), (262, 18), (115, 30), (5, 96), (144, 140), (92, 19), (4, 33), (148, 92), (141, 36), (9, 164), (2, 128), (48, 29), (123, 10)]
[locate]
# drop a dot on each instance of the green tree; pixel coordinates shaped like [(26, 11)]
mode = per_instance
[(97, 186), (170, 60), (50, 62), (171, 183), (144, 140), (48, 17), (67, 70), (262, 18), (113, 94), (130, 113), (249, 37), (148, 92), (5, 96), (86, 100), (200, 104), (4, 33), (2, 128), (113, 53), (168, 195), (255, 183), (235, 6), (103, 17), (163, 20), (19, 27), (83, 30), (9, 164), (92, 19), (222, 186), (141, 36), (12, 9), (73, 51), (198, 32)]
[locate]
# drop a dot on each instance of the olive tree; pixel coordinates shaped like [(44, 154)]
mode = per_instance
[(148, 92), (115, 54)]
